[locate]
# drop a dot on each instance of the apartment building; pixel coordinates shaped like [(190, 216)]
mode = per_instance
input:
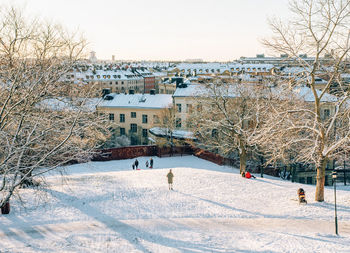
[(133, 115), (219, 69), (115, 81)]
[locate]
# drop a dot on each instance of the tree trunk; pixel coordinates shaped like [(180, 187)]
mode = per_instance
[(321, 171), (242, 159)]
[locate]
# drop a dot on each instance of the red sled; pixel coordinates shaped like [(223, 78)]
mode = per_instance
[(138, 169)]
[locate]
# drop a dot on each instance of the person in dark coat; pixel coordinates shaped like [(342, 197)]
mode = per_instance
[(133, 166), (151, 163), (146, 164), (136, 164), (170, 177)]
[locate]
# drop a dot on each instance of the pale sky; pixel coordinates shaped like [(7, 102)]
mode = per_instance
[(212, 30)]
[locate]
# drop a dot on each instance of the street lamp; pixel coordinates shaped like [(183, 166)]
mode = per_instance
[(334, 177)]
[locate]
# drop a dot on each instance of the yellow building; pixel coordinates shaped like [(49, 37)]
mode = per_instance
[(133, 115)]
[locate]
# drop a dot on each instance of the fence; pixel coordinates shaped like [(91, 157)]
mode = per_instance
[(153, 150), (125, 153)]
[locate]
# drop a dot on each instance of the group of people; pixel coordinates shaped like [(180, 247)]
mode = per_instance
[(170, 175), (135, 165)]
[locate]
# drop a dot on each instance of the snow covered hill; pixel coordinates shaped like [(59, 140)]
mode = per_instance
[(108, 207)]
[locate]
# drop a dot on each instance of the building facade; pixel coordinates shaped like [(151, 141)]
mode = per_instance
[(132, 115)]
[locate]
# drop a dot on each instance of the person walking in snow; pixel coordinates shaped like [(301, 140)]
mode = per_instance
[(136, 164), (133, 166), (170, 177), (151, 163), (146, 164)]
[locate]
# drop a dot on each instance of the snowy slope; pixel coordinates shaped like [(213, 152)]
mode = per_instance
[(108, 207)]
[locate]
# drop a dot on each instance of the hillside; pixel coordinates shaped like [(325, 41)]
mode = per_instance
[(108, 207)]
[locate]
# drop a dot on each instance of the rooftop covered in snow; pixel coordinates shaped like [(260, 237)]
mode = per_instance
[(156, 101)]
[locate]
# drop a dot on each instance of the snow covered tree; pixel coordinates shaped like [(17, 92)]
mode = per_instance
[(320, 131), (225, 117), (39, 130)]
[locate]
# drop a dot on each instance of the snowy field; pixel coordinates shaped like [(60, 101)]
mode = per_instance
[(108, 207)]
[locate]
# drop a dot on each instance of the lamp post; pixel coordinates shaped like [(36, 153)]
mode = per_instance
[(334, 177)]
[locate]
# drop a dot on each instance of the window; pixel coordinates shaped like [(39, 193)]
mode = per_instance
[(326, 113), (133, 114), (155, 119), (178, 107), (122, 118), (188, 108), (133, 128), (144, 132), (178, 122), (111, 116), (189, 124), (144, 119), (122, 131)]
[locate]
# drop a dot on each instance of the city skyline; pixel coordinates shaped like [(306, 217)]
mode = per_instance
[(161, 30)]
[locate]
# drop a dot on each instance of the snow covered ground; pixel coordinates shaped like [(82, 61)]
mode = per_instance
[(108, 207)]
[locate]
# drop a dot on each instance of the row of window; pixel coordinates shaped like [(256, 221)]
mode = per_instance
[(114, 76), (219, 70), (133, 129), (188, 108), (133, 115), (128, 82)]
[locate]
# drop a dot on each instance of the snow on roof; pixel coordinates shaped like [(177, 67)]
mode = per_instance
[(66, 104), (196, 90), (199, 90), (308, 96), (192, 90), (156, 101), (219, 67), (159, 73), (176, 134)]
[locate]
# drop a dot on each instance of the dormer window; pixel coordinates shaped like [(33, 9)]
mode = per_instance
[(108, 76), (98, 76), (104, 76)]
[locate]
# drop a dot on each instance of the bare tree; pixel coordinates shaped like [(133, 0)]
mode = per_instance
[(319, 28), (40, 131), (167, 123), (225, 117)]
